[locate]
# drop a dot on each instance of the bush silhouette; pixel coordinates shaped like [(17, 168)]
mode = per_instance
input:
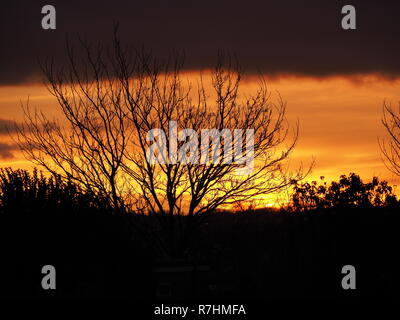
[(349, 192)]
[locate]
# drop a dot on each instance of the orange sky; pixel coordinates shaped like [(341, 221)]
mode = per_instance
[(339, 119)]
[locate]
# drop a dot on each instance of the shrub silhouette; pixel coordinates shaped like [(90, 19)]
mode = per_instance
[(350, 191), (24, 192)]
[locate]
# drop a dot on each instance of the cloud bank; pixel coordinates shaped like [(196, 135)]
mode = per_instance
[(275, 37)]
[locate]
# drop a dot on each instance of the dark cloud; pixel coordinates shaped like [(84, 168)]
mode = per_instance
[(278, 36), (7, 126), (6, 151)]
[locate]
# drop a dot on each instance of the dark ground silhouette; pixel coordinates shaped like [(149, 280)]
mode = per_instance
[(249, 255)]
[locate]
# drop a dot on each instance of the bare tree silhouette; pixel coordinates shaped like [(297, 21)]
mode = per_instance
[(391, 149), (112, 99)]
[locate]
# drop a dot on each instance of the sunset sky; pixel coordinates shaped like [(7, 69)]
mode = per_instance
[(334, 81)]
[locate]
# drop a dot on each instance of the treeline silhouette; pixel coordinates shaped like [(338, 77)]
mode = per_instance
[(297, 252)]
